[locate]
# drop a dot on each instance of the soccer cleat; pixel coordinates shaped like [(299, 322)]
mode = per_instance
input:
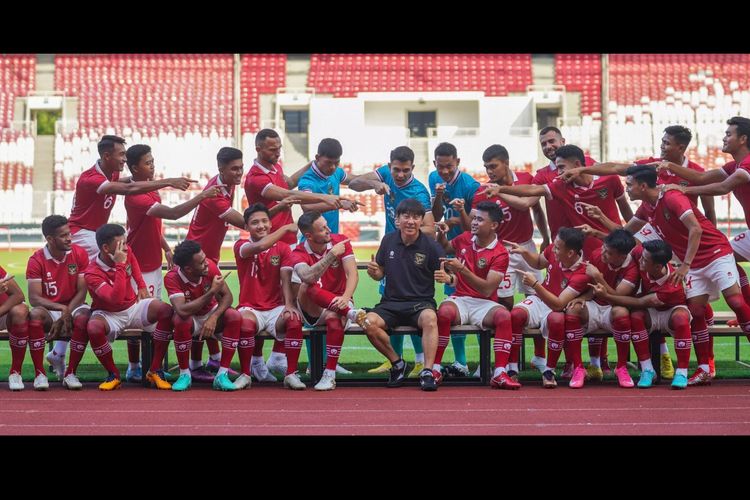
[(667, 368), (457, 370), (72, 383), (183, 383), (222, 383), (593, 373), (58, 365), (382, 368), (418, 367), (15, 382), (438, 376), (647, 379), (358, 316), (503, 381), (277, 365), (623, 377), (548, 380), (478, 372), (157, 379), (327, 382), (567, 370), (343, 371), (111, 383), (213, 366), (244, 381), (513, 375), (712, 368), (201, 375), (700, 377), (539, 363), (427, 380), (134, 375), (576, 381), (261, 373), (293, 382), (679, 381), (397, 375), (41, 383)]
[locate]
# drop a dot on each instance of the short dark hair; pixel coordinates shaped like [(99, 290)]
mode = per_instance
[(306, 220), (51, 223), (643, 173), (742, 124), (620, 240), (572, 237), (402, 153), (495, 151), (330, 148), (571, 151), (255, 207), (446, 149), (134, 154), (546, 130), (660, 250), (265, 134), (410, 206), (183, 252), (492, 209), (227, 154), (107, 143), (682, 135), (107, 233)]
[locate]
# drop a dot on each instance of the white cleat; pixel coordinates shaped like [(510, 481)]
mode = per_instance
[(277, 365), (293, 382), (261, 373), (243, 382), (327, 382), (15, 382), (340, 369), (41, 383), (57, 364), (72, 383), (539, 363), (478, 372)]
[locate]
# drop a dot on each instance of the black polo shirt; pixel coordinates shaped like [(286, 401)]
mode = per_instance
[(409, 270)]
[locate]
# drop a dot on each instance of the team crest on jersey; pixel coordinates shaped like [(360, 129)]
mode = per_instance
[(603, 193), (482, 263), (128, 269), (72, 268), (206, 288), (335, 263), (275, 259), (419, 258), (564, 283)]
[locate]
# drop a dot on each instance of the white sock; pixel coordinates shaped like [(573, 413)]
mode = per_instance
[(705, 368), (419, 358), (513, 367), (61, 347), (596, 362), (646, 365), (194, 365), (498, 371), (257, 360), (330, 373), (681, 371), (222, 370), (663, 349), (185, 372), (277, 356), (215, 357), (436, 367)]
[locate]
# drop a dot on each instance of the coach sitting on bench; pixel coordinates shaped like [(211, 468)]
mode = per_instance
[(409, 259)]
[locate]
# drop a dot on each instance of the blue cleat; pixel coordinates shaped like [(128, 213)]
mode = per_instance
[(679, 382), (134, 375), (222, 383), (183, 383), (647, 379)]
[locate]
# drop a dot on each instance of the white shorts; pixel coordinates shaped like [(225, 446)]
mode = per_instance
[(136, 316), (660, 319), (473, 310), (86, 239), (647, 233), (153, 281), (199, 320), (600, 317), (712, 279), (741, 244), (538, 312), (266, 320), (55, 315), (513, 281)]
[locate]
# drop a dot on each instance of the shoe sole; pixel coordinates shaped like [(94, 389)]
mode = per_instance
[(678, 388), (41, 388), (286, 386), (112, 389), (325, 389), (180, 390), (73, 388), (504, 387), (16, 389)]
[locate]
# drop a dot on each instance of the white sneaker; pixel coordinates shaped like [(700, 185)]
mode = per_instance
[(58, 365), (293, 382), (15, 382), (72, 383), (340, 369), (460, 370), (41, 383), (539, 363), (477, 373), (243, 382), (277, 364), (327, 382), (261, 373)]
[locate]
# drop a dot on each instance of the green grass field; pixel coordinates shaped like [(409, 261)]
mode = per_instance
[(358, 355)]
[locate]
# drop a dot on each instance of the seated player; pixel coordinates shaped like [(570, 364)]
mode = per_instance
[(14, 315)]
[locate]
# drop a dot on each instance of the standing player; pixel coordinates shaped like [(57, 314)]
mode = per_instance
[(57, 294), (14, 315)]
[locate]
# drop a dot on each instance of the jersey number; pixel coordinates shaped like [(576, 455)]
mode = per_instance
[(108, 201), (50, 289)]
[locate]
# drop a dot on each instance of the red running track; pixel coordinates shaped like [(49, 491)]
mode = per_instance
[(721, 409)]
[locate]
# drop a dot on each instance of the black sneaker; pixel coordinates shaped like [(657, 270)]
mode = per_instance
[(548, 380), (427, 380), (397, 375)]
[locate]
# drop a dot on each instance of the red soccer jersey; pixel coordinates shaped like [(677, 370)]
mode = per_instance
[(257, 181), (334, 279), (3, 296), (480, 261), (178, 285), (667, 177), (144, 231), (100, 280), (91, 208), (671, 295), (559, 278), (260, 275), (207, 226), (628, 272), (59, 278), (742, 192), (516, 225), (666, 218)]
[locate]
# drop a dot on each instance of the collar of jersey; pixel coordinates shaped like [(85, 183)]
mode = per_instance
[(48, 255), (309, 250), (184, 278), (625, 263), (488, 247), (264, 169), (102, 264), (575, 265)]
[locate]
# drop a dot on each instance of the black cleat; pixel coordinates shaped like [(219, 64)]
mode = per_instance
[(397, 374), (427, 380)]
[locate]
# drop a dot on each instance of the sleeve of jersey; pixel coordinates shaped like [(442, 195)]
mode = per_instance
[(82, 259), (641, 213), (677, 204), (579, 283), (257, 184), (548, 254), (471, 192), (632, 275), (424, 198), (554, 190), (135, 269), (384, 174), (437, 254), (305, 185), (500, 263), (33, 270), (729, 168), (617, 189), (172, 287), (431, 183), (287, 258), (97, 185), (218, 205), (348, 251), (341, 175), (537, 179)]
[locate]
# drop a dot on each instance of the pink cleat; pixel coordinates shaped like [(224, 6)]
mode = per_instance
[(579, 375), (623, 377)]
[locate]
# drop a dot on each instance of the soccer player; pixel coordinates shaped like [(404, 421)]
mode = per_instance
[(327, 268), (477, 271), (116, 307), (663, 300), (566, 279), (194, 286), (409, 258), (57, 294), (14, 315)]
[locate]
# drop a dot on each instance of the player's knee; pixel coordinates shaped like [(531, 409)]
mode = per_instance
[(519, 317), (38, 314), (231, 315), (96, 328), (19, 313), (446, 313), (500, 315), (293, 322), (428, 318), (249, 326), (698, 311), (620, 312), (80, 321), (556, 320), (179, 321), (680, 318), (163, 310)]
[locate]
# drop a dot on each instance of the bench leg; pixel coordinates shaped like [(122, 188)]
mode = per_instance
[(484, 356), (316, 356), (737, 348), (146, 355), (655, 344)]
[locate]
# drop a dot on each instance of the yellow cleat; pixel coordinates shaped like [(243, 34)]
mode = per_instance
[(594, 373), (157, 380), (382, 368), (415, 372), (110, 384), (667, 369)]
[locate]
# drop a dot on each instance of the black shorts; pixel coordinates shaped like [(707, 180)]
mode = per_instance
[(402, 313)]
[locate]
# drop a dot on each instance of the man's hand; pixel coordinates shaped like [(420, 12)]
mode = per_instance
[(290, 311), (678, 276), (670, 187), (373, 269), (209, 326), (339, 248), (440, 191), (351, 205), (442, 227), (514, 247), (55, 331), (286, 203), (592, 211), (181, 183), (218, 283), (587, 230), (143, 294), (452, 263), (291, 227), (120, 254), (576, 304), (529, 279), (211, 192), (458, 204), (169, 256), (383, 189), (569, 174), (492, 189), (593, 272), (441, 276), (340, 302), (599, 290)]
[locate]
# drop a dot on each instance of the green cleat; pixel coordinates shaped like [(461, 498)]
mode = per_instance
[(222, 383), (183, 383)]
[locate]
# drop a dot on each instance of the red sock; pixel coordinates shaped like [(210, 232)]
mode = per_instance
[(503, 336), (744, 283), (334, 341), (555, 339), (446, 316), (621, 333), (538, 347), (293, 342), (161, 335), (573, 329), (213, 347), (100, 345), (134, 350), (323, 299), (258, 350), (742, 310), (568, 353), (518, 319), (681, 327), (230, 336), (709, 324), (18, 338), (183, 340), (248, 330), (278, 346), (36, 346), (700, 332), (639, 335), (603, 350), (77, 343)]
